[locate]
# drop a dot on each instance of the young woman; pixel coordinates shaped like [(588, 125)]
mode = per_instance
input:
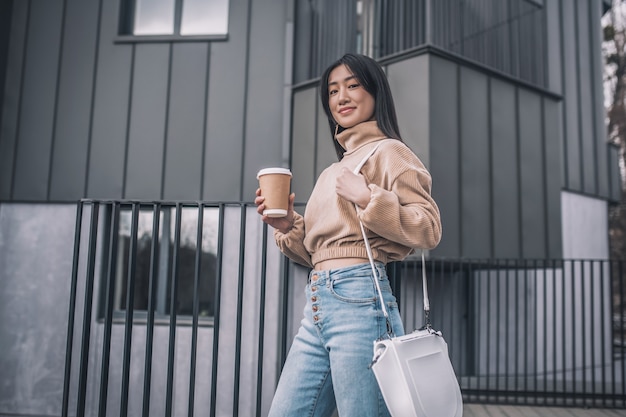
[(328, 364)]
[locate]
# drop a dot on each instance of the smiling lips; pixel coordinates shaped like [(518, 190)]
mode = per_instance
[(346, 110)]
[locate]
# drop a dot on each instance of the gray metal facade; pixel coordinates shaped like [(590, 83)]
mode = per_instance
[(86, 113)]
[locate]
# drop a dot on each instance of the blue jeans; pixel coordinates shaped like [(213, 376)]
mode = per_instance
[(328, 363)]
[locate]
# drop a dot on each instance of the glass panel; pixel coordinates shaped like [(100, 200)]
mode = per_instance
[(154, 17), (204, 17), (186, 260)]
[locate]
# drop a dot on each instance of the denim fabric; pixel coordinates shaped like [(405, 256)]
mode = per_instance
[(328, 363)]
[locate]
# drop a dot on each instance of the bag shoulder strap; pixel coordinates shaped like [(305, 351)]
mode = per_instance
[(368, 248)]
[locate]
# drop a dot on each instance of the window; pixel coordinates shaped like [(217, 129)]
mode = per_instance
[(176, 246), (174, 18)]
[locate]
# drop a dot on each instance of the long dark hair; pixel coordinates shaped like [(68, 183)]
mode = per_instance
[(372, 77)]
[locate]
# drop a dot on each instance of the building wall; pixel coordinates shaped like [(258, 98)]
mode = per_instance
[(585, 222), (575, 72), (86, 114), (36, 246)]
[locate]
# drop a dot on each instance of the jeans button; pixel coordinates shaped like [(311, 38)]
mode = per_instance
[(315, 318), (314, 277), (314, 298), (314, 309), (313, 288)]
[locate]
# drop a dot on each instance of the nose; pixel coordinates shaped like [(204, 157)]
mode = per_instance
[(343, 96)]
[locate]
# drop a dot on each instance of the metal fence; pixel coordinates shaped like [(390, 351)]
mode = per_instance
[(187, 308), (508, 36)]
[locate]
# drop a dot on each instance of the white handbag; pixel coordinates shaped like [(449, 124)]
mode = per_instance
[(414, 371)]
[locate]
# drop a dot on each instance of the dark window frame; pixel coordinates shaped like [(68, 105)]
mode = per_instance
[(126, 27)]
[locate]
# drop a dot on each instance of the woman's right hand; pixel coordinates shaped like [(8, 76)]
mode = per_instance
[(283, 224)]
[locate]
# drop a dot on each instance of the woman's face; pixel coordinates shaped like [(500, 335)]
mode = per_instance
[(350, 104)]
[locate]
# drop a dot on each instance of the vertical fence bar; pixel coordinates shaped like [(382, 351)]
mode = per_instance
[(622, 328), (196, 306), (173, 299), (564, 326), (284, 312), (72, 310), (240, 288), (498, 318), (574, 334), (603, 335), (477, 280), (524, 326), (592, 328), (535, 286), (490, 322), (544, 354), (507, 320), (471, 354), (86, 333), (130, 306), (108, 312), (152, 287), (259, 377), (583, 331), (612, 291), (217, 309)]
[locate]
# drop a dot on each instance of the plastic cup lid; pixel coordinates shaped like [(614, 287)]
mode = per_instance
[(266, 171)]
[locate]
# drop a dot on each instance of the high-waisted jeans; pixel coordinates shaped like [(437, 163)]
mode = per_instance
[(328, 363)]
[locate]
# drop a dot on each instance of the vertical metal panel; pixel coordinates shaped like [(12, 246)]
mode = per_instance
[(409, 83), (148, 112), (325, 153), (74, 104), (585, 99), (303, 142), (32, 160), (6, 11), (531, 176), (474, 165), (185, 127), (552, 136), (571, 115), (264, 104), (445, 153), (553, 46), (226, 109), (105, 170), (504, 160), (599, 135), (12, 94), (302, 40)]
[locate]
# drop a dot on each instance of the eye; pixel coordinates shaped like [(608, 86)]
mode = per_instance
[(332, 92), (355, 85)]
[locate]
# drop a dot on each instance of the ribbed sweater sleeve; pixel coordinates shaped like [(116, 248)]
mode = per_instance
[(405, 212), (411, 223), (292, 242)]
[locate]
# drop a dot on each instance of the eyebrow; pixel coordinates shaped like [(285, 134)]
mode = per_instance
[(351, 77)]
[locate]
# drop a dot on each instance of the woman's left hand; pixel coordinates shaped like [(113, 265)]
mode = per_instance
[(353, 188)]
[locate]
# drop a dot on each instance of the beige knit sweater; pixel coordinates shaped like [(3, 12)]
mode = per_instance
[(401, 214)]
